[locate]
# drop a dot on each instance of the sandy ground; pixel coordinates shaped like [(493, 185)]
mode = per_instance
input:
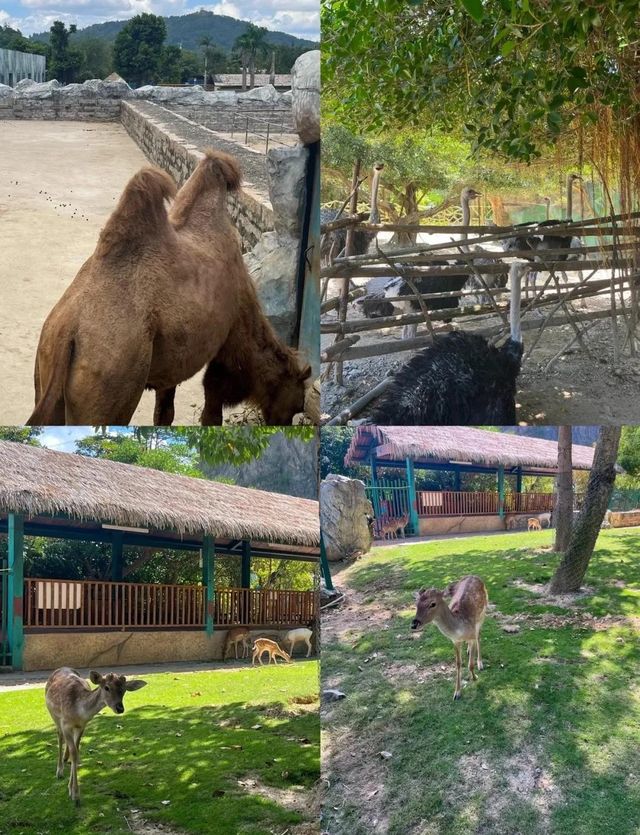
[(58, 184), (579, 388)]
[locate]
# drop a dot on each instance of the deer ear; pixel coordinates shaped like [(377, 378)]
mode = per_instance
[(95, 677), (136, 684)]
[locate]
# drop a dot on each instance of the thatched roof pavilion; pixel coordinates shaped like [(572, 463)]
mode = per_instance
[(39, 482), (448, 445)]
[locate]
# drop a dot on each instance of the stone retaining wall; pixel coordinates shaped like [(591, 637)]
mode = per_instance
[(170, 142), (228, 118)]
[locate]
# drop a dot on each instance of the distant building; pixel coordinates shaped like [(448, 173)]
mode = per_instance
[(14, 66), (233, 81)]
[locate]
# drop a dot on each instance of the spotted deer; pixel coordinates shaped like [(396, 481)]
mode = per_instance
[(262, 645), (72, 703), (390, 527), (239, 635), (459, 621), (533, 524)]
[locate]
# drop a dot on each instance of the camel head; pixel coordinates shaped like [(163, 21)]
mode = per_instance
[(288, 397)]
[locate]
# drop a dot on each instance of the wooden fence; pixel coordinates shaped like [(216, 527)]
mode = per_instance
[(96, 604), (458, 503)]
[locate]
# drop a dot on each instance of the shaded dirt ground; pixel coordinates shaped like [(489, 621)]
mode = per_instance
[(59, 182), (578, 388)]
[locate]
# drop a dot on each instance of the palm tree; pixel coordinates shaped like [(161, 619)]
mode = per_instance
[(250, 45), (206, 43)]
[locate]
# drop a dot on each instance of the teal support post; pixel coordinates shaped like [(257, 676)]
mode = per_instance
[(15, 623), (457, 482), (519, 480), (245, 580), (501, 492), (413, 498), (209, 582), (324, 566), (374, 472), (117, 549)]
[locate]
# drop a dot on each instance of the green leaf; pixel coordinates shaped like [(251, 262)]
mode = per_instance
[(474, 7)]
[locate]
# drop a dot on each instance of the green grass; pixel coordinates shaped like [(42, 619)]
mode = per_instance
[(564, 700), (185, 738)]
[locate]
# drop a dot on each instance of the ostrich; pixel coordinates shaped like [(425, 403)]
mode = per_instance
[(460, 379)]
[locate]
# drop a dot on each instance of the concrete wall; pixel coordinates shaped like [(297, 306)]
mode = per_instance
[(47, 651), (165, 141), (14, 66), (624, 518), (438, 525), (226, 118)]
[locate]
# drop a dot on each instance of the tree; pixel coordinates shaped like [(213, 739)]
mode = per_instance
[(629, 453), (138, 49), (517, 74), (170, 66), (97, 59), (21, 434), (575, 562), (563, 511), (251, 44), (64, 60)]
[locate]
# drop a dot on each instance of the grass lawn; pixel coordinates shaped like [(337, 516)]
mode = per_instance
[(224, 752), (546, 741)]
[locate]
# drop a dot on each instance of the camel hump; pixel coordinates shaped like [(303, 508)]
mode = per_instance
[(225, 165), (140, 213)]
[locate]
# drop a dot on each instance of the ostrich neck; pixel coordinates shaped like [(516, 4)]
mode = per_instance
[(374, 215), (466, 219), (569, 197)]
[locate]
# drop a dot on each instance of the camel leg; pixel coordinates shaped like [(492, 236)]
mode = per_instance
[(223, 385), (164, 411), (456, 694)]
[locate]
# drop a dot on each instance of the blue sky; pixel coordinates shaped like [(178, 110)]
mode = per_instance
[(297, 17)]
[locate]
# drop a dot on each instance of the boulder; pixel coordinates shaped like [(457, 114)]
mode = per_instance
[(6, 92), (267, 93), (286, 98), (76, 91), (26, 82), (42, 90), (115, 88), (176, 95), (273, 264), (305, 89), (286, 174), (345, 517), (227, 97)]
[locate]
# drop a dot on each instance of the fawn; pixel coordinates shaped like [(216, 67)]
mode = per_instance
[(239, 635), (390, 527), (262, 645), (72, 703), (533, 524), (460, 621)]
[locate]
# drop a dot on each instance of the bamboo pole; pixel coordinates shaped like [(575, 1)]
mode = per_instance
[(348, 250)]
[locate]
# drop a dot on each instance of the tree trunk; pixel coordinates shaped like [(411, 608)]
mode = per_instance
[(409, 207), (252, 71), (272, 74), (244, 70), (563, 511), (571, 571)]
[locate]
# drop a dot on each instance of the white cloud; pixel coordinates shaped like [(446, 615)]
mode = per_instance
[(63, 438)]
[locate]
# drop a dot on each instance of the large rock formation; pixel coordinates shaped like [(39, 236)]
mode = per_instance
[(345, 517), (305, 92)]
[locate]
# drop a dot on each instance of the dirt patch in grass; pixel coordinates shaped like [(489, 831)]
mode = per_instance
[(293, 799), (522, 777), (354, 618), (139, 826), (352, 766), (562, 601), (399, 672), (548, 620)]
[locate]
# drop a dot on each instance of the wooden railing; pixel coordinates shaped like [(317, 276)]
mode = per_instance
[(458, 503), (97, 604)]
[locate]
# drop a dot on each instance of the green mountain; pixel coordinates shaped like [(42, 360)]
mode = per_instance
[(188, 30)]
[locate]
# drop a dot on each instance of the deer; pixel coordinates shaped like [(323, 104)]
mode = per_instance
[(239, 635), (533, 524), (72, 703), (262, 645), (294, 635), (459, 621), (390, 527)]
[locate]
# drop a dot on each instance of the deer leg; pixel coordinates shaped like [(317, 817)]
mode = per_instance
[(61, 760), (472, 671), (478, 647), (456, 694), (309, 648), (74, 793)]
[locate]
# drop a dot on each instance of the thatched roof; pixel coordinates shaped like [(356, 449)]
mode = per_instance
[(38, 481), (445, 444)]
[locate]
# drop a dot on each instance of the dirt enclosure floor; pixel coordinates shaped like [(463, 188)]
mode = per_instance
[(59, 181)]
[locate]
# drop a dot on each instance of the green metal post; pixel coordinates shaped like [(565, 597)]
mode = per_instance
[(117, 548), (15, 623), (324, 566), (245, 581), (457, 482), (501, 492), (519, 480), (209, 582), (374, 471), (413, 498)]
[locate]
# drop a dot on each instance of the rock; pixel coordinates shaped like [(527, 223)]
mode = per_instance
[(183, 95), (114, 88), (75, 91), (273, 265), (345, 516), (305, 89), (385, 755), (267, 93), (228, 97), (333, 695), (24, 84), (286, 174), (286, 98), (43, 90), (6, 92)]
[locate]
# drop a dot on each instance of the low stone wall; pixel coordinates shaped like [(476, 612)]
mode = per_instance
[(47, 651), (175, 144), (68, 103), (624, 518), (438, 525), (233, 117)]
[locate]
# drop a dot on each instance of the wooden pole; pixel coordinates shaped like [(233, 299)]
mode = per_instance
[(348, 251)]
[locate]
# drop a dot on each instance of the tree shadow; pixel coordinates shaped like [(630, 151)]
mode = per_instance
[(205, 768)]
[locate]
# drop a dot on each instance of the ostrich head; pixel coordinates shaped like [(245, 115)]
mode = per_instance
[(571, 178)]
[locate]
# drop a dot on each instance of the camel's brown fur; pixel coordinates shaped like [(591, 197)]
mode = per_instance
[(163, 296)]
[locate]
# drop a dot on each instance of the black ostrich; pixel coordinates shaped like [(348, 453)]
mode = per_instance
[(461, 379)]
